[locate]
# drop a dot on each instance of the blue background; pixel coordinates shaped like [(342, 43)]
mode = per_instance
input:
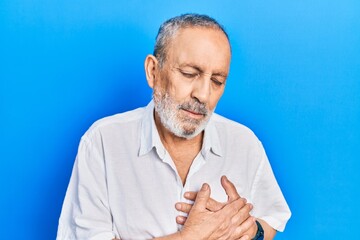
[(295, 81)]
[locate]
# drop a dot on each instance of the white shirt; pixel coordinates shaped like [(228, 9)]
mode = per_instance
[(124, 183)]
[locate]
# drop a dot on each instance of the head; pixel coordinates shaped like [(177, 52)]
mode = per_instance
[(169, 28), (188, 72)]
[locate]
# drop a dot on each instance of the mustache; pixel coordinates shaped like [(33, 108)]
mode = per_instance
[(196, 107)]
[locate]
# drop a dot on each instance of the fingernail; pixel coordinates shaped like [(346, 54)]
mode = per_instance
[(178, 206), (180, 219), (205, 187), (186, 194)]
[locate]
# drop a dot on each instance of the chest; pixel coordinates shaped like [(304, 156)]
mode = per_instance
[(183, 160), (144, 193)]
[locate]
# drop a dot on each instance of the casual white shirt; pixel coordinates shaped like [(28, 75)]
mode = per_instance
[(124, 183)]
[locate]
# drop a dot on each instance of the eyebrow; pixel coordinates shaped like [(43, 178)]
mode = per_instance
[(221, 74)]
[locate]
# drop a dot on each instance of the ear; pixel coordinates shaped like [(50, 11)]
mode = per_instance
[(151, 64)]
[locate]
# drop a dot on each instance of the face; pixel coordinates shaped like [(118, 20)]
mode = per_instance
[(191, 81)]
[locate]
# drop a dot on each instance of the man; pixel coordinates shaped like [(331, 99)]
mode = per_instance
[(159, 171)]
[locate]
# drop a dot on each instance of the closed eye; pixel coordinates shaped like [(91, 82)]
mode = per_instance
[(217, 82), (188, 74)]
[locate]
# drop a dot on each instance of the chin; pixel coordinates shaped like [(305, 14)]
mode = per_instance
[(190, 133)]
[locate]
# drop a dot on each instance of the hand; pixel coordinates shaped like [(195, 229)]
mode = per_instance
[(242, 222), (230, 221), (211, 205)]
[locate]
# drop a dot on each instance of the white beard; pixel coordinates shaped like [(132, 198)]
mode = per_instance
[(169, 112)]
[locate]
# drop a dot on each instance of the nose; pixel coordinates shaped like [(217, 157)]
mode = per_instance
[(201, 89)]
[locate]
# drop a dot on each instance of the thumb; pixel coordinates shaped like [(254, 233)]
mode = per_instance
[(230, 189), (202, 197)]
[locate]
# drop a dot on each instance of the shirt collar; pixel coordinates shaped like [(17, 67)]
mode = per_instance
[(211, 140), (150, 137)]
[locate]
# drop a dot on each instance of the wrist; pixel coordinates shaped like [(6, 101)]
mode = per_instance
[(182, 235), (188, 234), (259, 232)]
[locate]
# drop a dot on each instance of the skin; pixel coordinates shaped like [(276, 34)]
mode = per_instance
[(196, 67)]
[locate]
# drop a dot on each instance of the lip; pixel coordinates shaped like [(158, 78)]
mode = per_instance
[(193, 114)]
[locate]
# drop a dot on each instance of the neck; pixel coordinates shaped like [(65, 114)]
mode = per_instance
[(182, 151)]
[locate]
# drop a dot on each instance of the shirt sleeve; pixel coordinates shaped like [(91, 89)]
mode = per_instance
[(86, 213), (268, 200)]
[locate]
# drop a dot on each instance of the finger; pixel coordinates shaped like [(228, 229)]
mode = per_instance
[(229, 189), (243, 229), (202, 197), (242, 214), (245, 237), (190, 195), (214, 205), (236, 208), (183, 207), (181, 220)]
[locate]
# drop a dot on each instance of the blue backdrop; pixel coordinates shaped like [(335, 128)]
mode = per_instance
[(295, 80)]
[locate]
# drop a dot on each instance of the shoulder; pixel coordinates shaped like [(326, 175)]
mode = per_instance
[(234, 131), (228, 125), (118, 123)]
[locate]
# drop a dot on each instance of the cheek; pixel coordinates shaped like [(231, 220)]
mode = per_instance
[(179, 90), (214, 99), (163, 81)]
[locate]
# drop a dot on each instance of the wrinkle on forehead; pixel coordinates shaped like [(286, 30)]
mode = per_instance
[(201, 47)]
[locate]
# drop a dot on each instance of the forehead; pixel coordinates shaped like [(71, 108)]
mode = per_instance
[(207, 48)]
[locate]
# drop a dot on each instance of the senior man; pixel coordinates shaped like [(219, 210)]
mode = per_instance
[(174, 169)]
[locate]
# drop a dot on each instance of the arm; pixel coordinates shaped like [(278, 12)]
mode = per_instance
[(174, 236), (271, 206), (85, 213), (269, 232)]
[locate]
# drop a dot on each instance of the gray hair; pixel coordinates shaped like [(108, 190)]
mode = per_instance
[(169, 29)]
